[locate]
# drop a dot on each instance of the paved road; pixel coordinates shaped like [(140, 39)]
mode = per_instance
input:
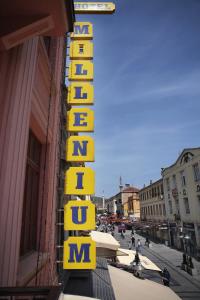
[(183, 284)]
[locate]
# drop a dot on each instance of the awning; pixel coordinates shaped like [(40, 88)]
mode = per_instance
[(104, 240), (106, 245), (73, 297), (126, 286), (145, 262)]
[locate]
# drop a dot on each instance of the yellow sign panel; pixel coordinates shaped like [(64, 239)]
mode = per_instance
[(79, 181), (94, 7), (80, 148), (79, 253), (81, 50), (82, 31), (79, 215), (80, 120), (80, 93), (81, 70)]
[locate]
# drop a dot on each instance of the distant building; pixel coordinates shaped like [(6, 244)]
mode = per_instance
[(152, 210), (99, 203), (119, 202), (182, 199), (134, 205)]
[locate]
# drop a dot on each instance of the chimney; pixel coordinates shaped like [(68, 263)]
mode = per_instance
[(151, 182)]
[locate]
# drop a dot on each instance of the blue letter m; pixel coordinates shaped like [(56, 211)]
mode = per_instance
[(75, 256), (84, 29)]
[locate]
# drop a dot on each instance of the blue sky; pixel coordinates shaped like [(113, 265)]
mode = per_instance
[(147, 89)]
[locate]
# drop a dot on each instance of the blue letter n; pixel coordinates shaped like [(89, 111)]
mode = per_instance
[(80, 149)]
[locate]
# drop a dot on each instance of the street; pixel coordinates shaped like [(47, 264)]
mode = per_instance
[(183, 284)]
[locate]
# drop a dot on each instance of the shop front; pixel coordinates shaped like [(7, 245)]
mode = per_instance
[(189, 239)]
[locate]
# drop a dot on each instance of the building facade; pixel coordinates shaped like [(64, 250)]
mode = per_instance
[(119, 203), (152, 210), (132, 206), (99, 204), (32, 72), (182, 199)]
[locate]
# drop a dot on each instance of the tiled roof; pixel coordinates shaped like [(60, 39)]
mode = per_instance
[(130, 190)]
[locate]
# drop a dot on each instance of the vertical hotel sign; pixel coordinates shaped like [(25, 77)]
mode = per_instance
[(80, 252)]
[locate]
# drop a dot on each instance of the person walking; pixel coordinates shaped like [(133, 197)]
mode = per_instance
[(147, 242), (129, 245), (166, 277), (133, 241), (132, 230), (138, 249)]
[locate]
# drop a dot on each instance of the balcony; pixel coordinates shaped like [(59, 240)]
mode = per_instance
[(175, 193), (29, 293), (22, 20)]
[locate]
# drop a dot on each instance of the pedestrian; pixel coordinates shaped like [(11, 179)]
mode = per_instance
[(133, 241), (166, 277), (132, 230), (139, 246), (129, 245), (136, 266), (147, 242)]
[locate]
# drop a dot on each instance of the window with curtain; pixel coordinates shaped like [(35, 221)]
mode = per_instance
[(31, 193)]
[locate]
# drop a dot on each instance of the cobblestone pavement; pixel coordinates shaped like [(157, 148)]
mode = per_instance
[(183, 284)]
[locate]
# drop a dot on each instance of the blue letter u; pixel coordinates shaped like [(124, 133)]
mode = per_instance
[(75, 218)]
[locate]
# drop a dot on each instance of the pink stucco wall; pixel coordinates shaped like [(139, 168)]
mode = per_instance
[(28, 82)]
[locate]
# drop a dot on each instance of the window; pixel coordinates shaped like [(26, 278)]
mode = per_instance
[(30, 202), (158, 190), (183, 179), (187, 208), (157, 213), (174, 181), (160, 210), (170, 207), (161, 189), (151, 210), (164, 211), (177, 206), (154, 210), (148, 210), (168, 184), (198, 199), (196, 172)]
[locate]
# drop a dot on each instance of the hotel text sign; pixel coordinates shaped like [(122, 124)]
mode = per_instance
[(94, 7), (80, 252)]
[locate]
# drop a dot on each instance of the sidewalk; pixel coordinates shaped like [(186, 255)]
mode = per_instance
[(173, 257), (183, 284)]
